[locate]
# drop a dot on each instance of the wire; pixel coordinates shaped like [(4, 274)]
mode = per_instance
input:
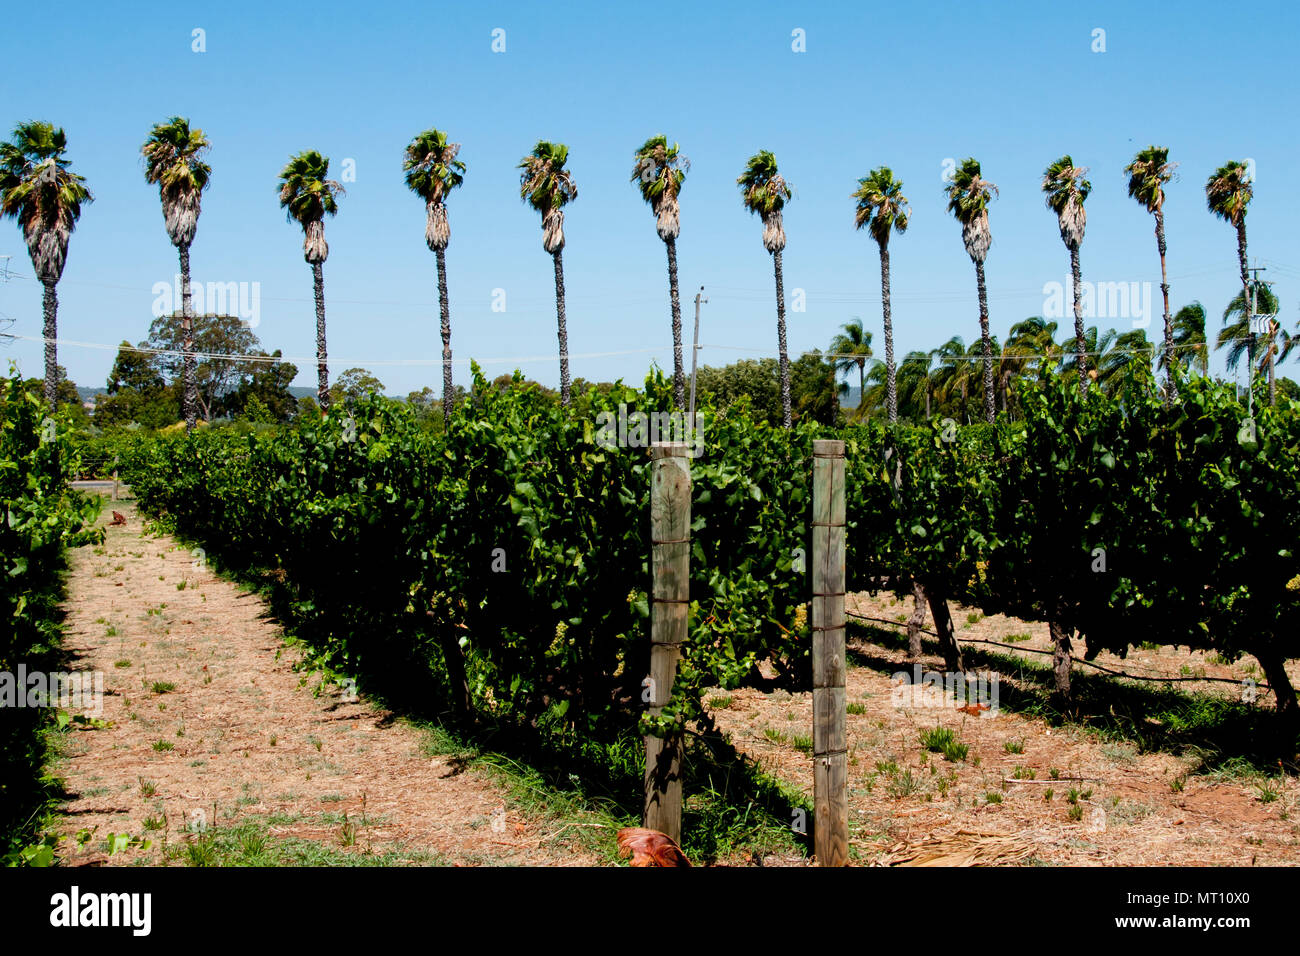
[(274, 360)]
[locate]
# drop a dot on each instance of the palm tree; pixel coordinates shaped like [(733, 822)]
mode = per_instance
[(1066, 190), (432, 172), (1029, 349), (1148, 174), (548, 187), (953, 377), (172, 156), (38, 190), (308, 196), (1227, 194), (915, 382), (659, 172), (883, 207), (765, 192), (968, 200), (852, 348), (1189, 337), (1235, 335)]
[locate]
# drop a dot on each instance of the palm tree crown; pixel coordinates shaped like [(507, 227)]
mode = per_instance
[(308, 195), (1148, 174), (881, 204), (1189, 338), (432, 172), (39, 190), (548, 187), (1229, 191), (659, 171), (765, 193), (173, 162), (969, 195), (1065, 190), (851, 348)]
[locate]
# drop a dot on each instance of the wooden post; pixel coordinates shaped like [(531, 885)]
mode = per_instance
[(670, 551), (830, 742)]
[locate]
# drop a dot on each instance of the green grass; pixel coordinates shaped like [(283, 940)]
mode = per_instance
[(944, 740), (853, 707), (1014, 746), (163, 745), (162, 687), (249, 843)]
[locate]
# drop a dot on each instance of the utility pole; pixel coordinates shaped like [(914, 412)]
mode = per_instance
[(695, 354), (1250, 327)]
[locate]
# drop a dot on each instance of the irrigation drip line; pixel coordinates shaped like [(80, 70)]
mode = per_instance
[(1076, 660)]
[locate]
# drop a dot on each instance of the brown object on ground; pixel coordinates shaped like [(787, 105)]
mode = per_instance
[(118, 518), (963, 848), (649, 848), (204, 705)]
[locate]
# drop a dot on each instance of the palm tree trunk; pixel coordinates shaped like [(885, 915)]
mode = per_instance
[(322, 365), (679, 377), (50, 307), (1248, 302), (862, 385), (189, 383), (563, 328), (786, 417), (990, 413), (1170, 388), (1080, 359), (891, 375), (445, 311)]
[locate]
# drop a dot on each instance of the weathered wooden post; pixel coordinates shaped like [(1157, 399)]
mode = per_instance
[(670, 551), (830, 742)]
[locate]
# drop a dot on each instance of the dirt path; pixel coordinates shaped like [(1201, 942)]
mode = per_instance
[(1013, 786), (209, 723)]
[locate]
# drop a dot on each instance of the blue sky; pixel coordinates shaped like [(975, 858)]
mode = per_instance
[(1011, 83)]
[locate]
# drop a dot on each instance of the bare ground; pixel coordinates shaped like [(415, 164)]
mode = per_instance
[(208, 722), (1129, 808)]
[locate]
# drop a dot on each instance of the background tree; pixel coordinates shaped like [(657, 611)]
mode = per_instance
[(969, 195), (1235, 335), (548, 187), (882, 207), (757, 380), (659, 173), (812, 387), (172, 156), (1227, 194), (355, 383), (851, 348), (1189, 339), (39, 190), (432, 172), (210, 337), (765, 192), (1066, 189), (1148, 174), (308, 196), (267, 383)]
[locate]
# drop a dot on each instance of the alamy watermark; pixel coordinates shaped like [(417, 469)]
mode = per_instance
[(972, 692), (81, 691), (642, 429), (240, 299), (1100, 300)]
